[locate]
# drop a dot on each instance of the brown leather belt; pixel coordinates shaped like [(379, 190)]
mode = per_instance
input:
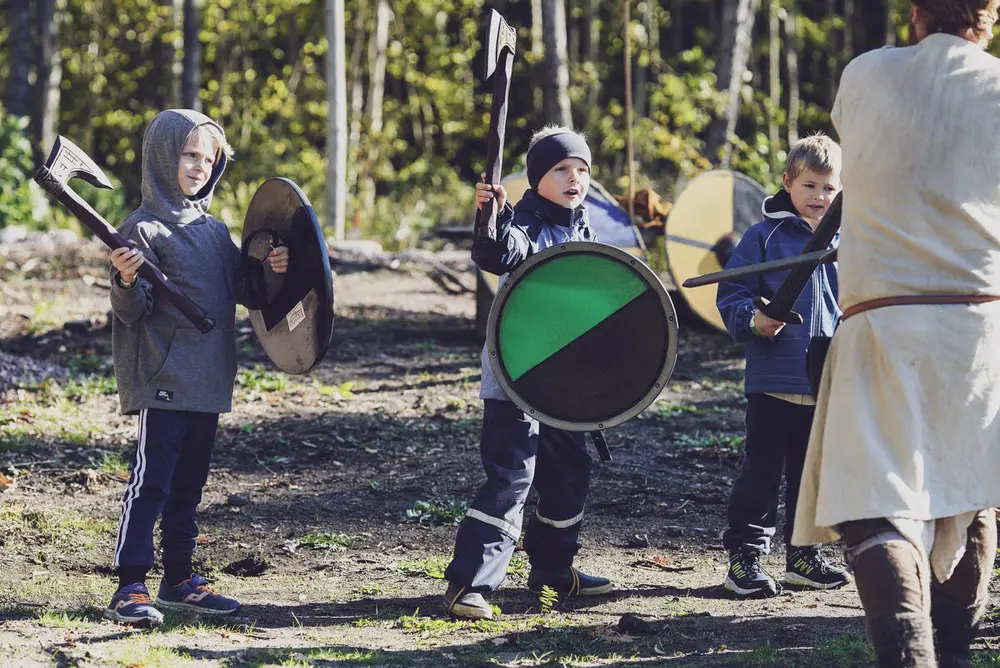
[(861, 307)]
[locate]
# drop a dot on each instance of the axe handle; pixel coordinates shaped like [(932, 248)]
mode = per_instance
[(95, 222), (486, 220), (780, 307)]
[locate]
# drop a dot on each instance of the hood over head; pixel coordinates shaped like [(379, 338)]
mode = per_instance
[(162, 145)]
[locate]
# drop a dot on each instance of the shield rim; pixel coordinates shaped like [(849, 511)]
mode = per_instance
[(327, 274), (637, 265), (700, 303)]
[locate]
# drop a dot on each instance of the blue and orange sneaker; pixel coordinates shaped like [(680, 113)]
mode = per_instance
[(130, 605), (194, 595)]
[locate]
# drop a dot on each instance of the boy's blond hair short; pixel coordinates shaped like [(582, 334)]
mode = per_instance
[(817, 153), (214, 134)]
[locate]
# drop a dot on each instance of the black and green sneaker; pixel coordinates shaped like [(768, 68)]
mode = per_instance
[(806, 567), (747, 578)]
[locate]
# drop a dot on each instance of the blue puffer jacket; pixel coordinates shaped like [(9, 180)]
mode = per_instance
[(778, 364)]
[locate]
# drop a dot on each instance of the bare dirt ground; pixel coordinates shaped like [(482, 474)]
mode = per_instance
[(330, 510)]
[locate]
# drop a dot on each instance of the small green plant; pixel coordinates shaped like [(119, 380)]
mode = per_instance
[(115, 463), (762, 655), (674, 410), (547, 599), (721, 443), (438, 512), (365, 591), (258, 379), (518, 565), (432, 567), (326, 541), (845, 651), (344, 390)]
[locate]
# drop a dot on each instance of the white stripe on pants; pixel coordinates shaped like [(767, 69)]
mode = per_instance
[(133, 489)]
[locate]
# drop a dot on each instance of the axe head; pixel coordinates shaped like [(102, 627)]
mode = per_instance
[(67, 161), (499, 36)]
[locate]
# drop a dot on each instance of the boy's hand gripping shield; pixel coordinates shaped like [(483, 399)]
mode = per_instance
[(582, 336), (291, 313)]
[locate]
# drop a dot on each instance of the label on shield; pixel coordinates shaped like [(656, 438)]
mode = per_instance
[(295, 316)]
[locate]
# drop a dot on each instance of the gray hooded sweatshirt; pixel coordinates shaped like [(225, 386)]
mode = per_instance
[(161, 360)]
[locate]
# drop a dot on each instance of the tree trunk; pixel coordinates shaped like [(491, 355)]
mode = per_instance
[(557, 107), (49, 74), (573, 29), (848, 32), (676, 26), (643, 73), (336, 122), (774, 70), (792, 65), (176, 53), (377, 47), (737, 29), (833, 53), (591, 53), (19, 49), (357, 98), (537, 46), (192, 55)]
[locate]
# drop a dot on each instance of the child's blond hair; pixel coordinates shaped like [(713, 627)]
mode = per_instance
[(214, 134), (550, 130), (817, 153)]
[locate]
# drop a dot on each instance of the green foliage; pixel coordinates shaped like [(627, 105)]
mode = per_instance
[(432, 567), (438, 511), (326, 541), (547, 599), (21, 200)]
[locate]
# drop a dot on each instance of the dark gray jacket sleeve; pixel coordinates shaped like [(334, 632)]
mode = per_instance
[(131, 305), (510, 249)]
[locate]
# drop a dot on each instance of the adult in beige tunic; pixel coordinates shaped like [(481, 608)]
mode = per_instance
[(904, 456)]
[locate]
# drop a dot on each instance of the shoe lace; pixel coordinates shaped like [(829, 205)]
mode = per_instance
[(138, 597), (813, 559), (749, 563)]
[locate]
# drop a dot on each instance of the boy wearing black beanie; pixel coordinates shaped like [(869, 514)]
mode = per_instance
[(518, 452)]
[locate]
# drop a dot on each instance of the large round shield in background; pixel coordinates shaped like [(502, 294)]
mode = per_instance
[(706, 222), (294, 321), (582, 336)]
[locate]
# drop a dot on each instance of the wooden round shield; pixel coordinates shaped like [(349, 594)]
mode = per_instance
[(705, 224), (294, 317), (582, 336)]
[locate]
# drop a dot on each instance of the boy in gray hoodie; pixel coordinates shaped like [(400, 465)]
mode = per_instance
[(176, 379)]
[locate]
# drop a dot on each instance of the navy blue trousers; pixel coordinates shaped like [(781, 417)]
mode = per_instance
[(519, 453), (169, 469), (776, 438)]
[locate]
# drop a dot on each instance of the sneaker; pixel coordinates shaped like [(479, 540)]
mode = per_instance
[(194, 595), (130, 605), (466, 605), (568, 581), (747, 578), (806, 567)]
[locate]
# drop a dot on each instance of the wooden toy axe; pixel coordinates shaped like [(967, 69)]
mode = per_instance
[(500, 40), (68, 161)]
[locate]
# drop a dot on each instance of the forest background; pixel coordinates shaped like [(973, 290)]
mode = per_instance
[(714, 83)]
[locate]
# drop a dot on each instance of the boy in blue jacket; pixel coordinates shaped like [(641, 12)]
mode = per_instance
[(517, 452), (779, 402)]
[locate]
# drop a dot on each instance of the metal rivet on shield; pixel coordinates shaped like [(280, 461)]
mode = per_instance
[(600, 426), (562, 248), (657, 385), (493, 353)]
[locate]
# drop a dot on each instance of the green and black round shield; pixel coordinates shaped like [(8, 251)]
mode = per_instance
[(293, 318), (582, 336)]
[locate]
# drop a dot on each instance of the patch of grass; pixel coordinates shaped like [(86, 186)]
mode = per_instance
[(844, 651), (432, 567), (115, 463), (438, 511), (326, 541), (344, 390), (367, 591), (433, 626), (986, 659), (762, 655), (46, 418), (81, 388), (91, 361), (138, 650), (69, 620), (518, 564), (674, 410), (719, 443), (259, 379)]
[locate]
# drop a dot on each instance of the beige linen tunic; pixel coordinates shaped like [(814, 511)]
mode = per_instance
[(907, 424)]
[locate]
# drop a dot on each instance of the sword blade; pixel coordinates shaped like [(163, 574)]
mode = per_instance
[(813, 259)]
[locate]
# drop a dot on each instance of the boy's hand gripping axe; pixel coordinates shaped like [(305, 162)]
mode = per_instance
[(67, 161), (500, 40)]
